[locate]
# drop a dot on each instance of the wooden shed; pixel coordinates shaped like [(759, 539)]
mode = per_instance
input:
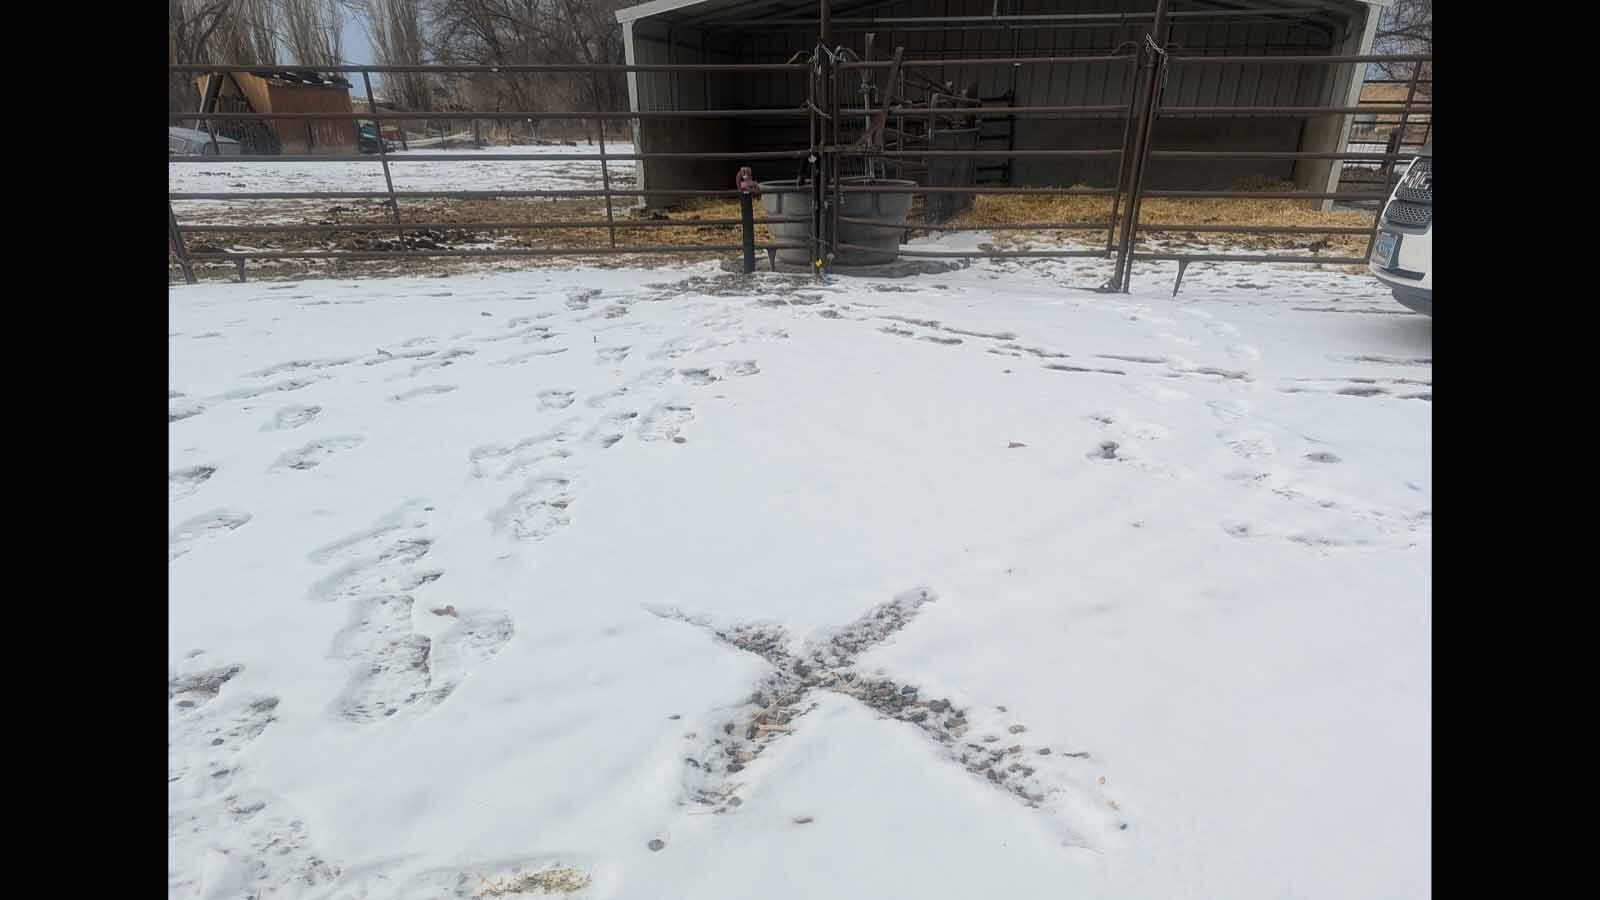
[(283, 92)]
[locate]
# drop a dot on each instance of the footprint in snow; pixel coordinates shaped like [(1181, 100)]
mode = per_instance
[(537, 511), (177, 412), (426, 391), (611, 429), (291, 417), (183, 482), (203, 529), (317, 452), (554, 399), (1248, 443), (665, 423)]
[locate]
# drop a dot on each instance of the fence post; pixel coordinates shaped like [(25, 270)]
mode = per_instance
[(605, 169), (814, 157), (383, 152), (1405, 111), (1154, 69), (1124, 160), (210, 125), (746, 182), (831, 146), (178, 249)]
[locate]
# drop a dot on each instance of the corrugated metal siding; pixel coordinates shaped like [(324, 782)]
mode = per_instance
[(694, 90), (1087, 85), (1096, 85)]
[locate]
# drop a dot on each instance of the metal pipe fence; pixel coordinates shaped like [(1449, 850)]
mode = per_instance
[(834, 144)]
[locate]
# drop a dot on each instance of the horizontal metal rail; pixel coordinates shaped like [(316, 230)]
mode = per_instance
[(998, 21), (1018, 226), (480, 226), (409, 115), (998, 111), (1263, 195), (963, 154), (991, 61), (1255, 229), (487, 157), (984, 254), (974, 189), (464, 195), (1275, 154), (1252, 258), (528, 251), (1182, 59), (1201, 60), (731, 68), (1296, 111)]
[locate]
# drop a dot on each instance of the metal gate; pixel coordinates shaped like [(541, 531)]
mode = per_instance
[(836, 145)]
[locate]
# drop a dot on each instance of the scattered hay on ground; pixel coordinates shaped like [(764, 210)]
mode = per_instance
[(994, 210), (554, 880), (987, 211)]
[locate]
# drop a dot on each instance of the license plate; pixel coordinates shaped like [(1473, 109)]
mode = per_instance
[(1383, 252)]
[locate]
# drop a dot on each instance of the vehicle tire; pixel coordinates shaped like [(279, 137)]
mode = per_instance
[(1414, 300)]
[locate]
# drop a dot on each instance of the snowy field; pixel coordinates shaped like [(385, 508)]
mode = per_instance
[(214, 175), (676, 584)]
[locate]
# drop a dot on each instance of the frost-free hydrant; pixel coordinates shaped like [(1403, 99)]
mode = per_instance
[(745, 181)]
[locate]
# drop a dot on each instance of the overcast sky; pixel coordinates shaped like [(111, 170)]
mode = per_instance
[(357, 51)]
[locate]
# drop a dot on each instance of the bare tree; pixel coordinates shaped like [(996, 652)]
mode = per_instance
[(598, 40), (313, 31), (1405, 27), (190, 27), (531, 32), (247, 36), (493, 32), (396, 32)]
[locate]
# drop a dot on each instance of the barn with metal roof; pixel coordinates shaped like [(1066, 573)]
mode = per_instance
[(956, 32)]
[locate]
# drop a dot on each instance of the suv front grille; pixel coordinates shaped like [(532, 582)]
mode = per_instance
[(1417, 186), (1412, 205), (1414, 215)]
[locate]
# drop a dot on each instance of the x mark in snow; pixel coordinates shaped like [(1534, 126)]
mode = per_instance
[(1038, 777)]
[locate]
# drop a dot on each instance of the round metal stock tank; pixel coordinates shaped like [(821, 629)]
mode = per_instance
[(874, 244), (795, 204)]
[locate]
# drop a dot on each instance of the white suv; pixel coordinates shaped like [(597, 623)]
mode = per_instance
[(1402, 256)]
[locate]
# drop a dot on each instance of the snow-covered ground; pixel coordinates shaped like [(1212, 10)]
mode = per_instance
[(680, 584), (213, 175)]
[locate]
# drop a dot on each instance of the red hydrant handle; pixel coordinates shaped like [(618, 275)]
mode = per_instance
[(746, 182)]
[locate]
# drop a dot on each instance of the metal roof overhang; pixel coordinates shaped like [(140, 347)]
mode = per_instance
[(684, 12)]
